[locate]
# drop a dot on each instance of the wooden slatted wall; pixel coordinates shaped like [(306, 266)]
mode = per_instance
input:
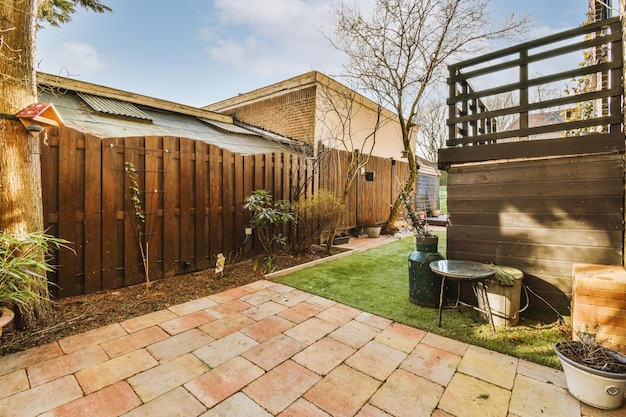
[(540, 216), (191, 194)]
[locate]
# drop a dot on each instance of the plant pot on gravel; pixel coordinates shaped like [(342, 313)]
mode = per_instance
[(373, 231), (595, 375)]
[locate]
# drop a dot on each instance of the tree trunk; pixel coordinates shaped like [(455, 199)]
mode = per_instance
[(20, 166), (409, 186)]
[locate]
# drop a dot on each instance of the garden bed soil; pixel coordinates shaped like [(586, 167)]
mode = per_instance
[(81, 313)]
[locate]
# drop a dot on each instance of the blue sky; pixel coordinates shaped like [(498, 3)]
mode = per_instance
[(198, 52)]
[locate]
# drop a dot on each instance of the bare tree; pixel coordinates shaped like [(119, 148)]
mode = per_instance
[(345, 121), (398, 53), (433, 131)]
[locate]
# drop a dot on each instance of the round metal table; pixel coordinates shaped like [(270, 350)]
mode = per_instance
[(463, 271)]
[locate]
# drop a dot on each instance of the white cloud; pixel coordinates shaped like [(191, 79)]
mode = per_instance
[(265, 37), (75, 58)]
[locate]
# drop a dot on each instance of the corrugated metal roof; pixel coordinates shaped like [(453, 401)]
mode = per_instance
[(163, 124), (229, 127), (113, 106)]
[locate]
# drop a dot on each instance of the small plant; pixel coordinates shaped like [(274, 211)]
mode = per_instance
[(24, 262), (135, 201), (265, 213), (417, 223)]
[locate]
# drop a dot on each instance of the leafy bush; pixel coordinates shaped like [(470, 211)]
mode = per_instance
[(265, 213), (316, 215)]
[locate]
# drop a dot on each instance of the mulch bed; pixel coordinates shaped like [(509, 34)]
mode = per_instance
[(79, 314)]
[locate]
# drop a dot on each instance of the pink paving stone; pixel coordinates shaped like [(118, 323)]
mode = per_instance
[(339, 314), (267, 328), (92, 337), (441, 413), (220, 383), (30, 357), (260, 297), (281, 386), (292, 298), (259, 285), (40, 399), (303, 408), (324, 355), (354, 334), (108, 402), (373, 320), (434, 364), (264, 310), (181, 324), (13, 383), (147, 320), (342, 392), (224, 349), (405, 394), (226, 325), (229, 295), (178, 345), (229, 307), (167, 376), (377, 360), (300, 312), (238, 405), (369, 410), (134, 341), (310, 330), (401, 337), (321, 301), (176, 403), (273, 352), (65, 365), (115, 370), (192, 306), (445, 343), (282, 288)]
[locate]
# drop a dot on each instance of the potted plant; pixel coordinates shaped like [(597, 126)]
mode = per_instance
[(23, 265), (596, 375), (424, 284)]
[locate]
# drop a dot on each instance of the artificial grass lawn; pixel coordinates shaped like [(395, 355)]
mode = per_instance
[(376, 281)]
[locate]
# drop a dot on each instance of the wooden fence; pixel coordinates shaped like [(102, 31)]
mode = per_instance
[(191, 196)]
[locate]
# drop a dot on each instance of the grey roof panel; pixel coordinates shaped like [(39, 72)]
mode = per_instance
[(112, 106), (229, 127)]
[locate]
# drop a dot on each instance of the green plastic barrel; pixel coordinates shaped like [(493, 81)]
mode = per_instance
[(424, 284)]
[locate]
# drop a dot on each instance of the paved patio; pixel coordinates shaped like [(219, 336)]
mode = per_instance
[(266, 349)]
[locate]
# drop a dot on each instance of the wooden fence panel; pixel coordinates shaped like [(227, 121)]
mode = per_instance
[(171, 198), (202, 206), (132, 225), (216, 204), (540, 216), (93, 214), (187, 196), (153, 200), (67, 212)]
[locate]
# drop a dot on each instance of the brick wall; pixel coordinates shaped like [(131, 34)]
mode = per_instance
[(291, 114)]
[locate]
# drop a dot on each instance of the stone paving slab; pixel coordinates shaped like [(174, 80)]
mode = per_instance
[(266, 349)]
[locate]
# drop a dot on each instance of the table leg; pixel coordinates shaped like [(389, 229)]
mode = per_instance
[(443, 284), (493, 327)]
